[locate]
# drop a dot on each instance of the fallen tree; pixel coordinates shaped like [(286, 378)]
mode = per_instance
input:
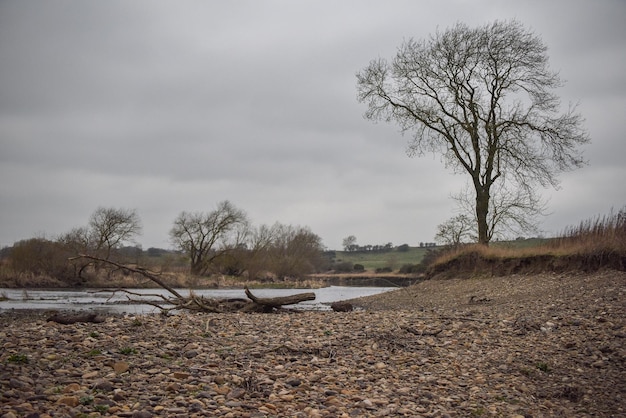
[(194, 302)]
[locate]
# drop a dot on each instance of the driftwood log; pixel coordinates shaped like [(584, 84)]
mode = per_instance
[(194, 302), (269, 304)]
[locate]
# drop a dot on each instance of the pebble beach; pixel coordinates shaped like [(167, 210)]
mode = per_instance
[(520, 346)]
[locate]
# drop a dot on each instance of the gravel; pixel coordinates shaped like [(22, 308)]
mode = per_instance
[(518, 346)]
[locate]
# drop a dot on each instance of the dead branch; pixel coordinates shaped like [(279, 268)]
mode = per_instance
[(198, 303), (144, 272)]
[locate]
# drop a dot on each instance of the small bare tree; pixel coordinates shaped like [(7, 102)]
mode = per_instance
[(484, 99), (206, 236), (455, 231), (111, 227), (296, 251), (513, 212), (260, 243)]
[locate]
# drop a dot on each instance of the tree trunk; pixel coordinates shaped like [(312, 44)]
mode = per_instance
[(482, 211)]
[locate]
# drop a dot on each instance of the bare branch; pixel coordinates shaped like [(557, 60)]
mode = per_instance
[(484, 98)]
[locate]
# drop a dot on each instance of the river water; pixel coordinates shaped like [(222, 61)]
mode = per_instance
[(117, 302)]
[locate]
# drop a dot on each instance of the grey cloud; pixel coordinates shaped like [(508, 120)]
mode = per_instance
[(165, 106)]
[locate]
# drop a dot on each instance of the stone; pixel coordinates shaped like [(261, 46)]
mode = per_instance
[(120, 367), (68, 400), (172, 387), (191, 353), (103, 385), (236, 393), (294, 382), (72, 387), (15, 383), (342, 307), (90, 375)]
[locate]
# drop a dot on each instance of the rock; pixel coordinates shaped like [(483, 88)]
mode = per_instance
[(14, 383), (293, 382), (342, 307), (203, 395), (68, 400), (103, 385), (191, 353), (72, 387), (119, 396), (172, 387), (120, 367), (90, 375), (236, 393)]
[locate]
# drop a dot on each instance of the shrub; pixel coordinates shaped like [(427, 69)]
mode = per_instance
[(359, 267), (384, 270), (41, 257), (412, 269), (403, 248), (344, 267), (18, 358)]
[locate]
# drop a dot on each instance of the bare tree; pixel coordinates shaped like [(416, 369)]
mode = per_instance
[(455, 231), (284, 250), (484, 99), (261, 241), (206, 236), (296, 251), (78, 241), (110, 228)]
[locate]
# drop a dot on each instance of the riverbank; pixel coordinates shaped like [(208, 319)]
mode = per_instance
[(313, 281), (519, 346)]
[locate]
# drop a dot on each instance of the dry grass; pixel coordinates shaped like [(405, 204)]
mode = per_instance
[(602, 238), (602, 234)]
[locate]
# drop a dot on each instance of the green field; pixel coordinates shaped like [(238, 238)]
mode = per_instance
[(395, 259), (373, 260)]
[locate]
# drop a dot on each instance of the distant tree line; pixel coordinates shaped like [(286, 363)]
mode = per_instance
[(350, 245), (221, 241)]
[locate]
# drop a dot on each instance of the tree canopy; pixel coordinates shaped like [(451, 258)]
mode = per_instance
[(484, 99)]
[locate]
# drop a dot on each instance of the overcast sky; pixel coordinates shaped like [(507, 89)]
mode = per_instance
[(175, 106)]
